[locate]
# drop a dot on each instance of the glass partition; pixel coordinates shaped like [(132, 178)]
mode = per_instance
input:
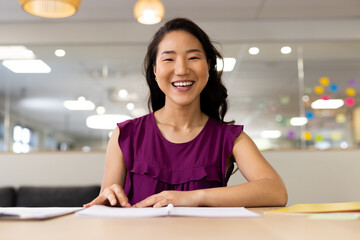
[(283, 96)]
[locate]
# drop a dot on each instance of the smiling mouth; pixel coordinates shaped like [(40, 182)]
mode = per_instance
[(182, 84)]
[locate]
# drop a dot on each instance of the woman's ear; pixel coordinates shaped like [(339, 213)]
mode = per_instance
[(208, 68), (154, 69)]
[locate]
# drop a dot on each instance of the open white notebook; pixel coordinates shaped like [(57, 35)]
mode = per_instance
[(170, 210), (35, 212)]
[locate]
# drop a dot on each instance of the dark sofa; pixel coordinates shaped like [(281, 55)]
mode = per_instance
[(60, 196)]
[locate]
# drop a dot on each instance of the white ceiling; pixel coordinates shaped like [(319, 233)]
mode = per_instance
[(105, 33)]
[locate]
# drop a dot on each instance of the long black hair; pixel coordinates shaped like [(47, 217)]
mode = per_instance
[(213, 98)]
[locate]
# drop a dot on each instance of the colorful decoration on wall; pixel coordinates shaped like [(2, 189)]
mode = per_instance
[(319, 90), (291, 134), (326, 88), (319, 138), (325, 97), (336, 136), (352, 82), (334, 87), (324, 81), (350, 102), (340, 118), (350, 92), (309, 115), (307, 136)]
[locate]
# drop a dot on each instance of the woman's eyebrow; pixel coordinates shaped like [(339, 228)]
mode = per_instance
[(188, 51), (167, 52), (193, 50)]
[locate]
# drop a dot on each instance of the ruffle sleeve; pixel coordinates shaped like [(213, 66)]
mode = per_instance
[(231, 132), (125, 140)]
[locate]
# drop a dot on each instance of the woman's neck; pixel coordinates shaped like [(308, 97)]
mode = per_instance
[(183, 117)]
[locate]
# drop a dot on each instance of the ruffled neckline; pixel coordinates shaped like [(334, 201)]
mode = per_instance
[(177, 176)]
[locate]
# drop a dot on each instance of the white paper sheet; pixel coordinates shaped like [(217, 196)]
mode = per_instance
[(170, 210), (117, 212), (35, 212), (212, 212)]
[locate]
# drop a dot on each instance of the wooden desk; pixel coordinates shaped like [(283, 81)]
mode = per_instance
[(172, 228)]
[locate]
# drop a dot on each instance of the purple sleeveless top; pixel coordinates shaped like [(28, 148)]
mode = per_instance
[(154, 164)]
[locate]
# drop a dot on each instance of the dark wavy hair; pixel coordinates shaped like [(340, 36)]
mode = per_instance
[(213, 98)]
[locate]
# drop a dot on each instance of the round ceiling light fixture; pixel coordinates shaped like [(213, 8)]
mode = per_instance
[(149, 11), (51, 8)]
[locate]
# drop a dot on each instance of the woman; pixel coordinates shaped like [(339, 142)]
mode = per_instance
[(183, 152)]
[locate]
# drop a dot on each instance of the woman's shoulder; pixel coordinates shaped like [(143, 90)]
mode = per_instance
[(227, 126), (133, 128), (224, 131), (145, 119)]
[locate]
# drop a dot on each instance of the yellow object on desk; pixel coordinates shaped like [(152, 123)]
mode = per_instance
[(320, 208)]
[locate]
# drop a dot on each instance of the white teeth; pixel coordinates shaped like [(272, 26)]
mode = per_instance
[(182, 84)]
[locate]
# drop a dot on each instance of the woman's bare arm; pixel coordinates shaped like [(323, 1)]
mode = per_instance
[(264, 187), (112, 188)]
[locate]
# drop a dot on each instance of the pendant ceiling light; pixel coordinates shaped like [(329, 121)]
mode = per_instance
[(51, 8), (149, 11)]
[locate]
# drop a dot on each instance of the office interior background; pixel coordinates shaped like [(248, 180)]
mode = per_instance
[(285, 57)]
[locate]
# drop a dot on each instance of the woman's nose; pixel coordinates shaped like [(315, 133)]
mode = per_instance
[(181, 67)]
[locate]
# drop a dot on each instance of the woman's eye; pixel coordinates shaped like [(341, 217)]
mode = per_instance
[(168, 60), (193, 58)]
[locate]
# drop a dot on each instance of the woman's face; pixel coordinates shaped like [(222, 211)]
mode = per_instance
[(181, 68)]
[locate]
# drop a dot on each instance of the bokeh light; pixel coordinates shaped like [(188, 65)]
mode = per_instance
[(319, 138), (307, 136), (318, 90), (324, 81), (340, 118), (350, 92), (305, 98), (350, 101), (309, 115), (336, 136), (352, 82), (334, 87), (325, 97), (291, 134)]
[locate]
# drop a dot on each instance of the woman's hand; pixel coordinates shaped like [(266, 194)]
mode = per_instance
[(113, 196), (177, 198)]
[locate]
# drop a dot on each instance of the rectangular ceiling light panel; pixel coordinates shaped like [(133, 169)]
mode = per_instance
[(27, 66)]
